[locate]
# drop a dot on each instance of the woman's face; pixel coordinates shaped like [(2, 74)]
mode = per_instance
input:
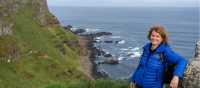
[(155, 38)]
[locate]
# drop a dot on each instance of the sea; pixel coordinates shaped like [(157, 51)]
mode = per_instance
[(129, 27)]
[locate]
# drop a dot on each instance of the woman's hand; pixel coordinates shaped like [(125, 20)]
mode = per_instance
[(174, 82)]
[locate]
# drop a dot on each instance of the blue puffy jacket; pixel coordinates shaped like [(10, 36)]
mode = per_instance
[(150, 71)]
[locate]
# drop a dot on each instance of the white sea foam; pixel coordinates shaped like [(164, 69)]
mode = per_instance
[(74, 29), (136, 49), (121, 58), (132, 56), (135, 54), (131, 52), (115, 37), (123, 49), (88, 30), (121, 42), (91, 30)]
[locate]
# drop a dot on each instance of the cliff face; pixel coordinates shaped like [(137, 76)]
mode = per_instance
[(10, 11), (9, 8), (33, 52)]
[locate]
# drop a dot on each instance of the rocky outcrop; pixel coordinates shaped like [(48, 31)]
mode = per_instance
[(110, 60), (9, 12), (5, 29), (192, 73), (40, 11), (5, 10), (9, 8)]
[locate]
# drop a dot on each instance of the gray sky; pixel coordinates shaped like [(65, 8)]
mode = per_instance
[(176, 3)]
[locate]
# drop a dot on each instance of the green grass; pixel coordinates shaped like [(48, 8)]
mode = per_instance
[(40, 63), (8, 46), (93, 84)]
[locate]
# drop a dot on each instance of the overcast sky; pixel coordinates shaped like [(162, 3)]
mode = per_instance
[(126, 3)]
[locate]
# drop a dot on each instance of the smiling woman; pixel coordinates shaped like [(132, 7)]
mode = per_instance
[(157, 54), (157, 35)]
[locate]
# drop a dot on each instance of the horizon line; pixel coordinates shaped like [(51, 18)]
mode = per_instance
[(118, 6)]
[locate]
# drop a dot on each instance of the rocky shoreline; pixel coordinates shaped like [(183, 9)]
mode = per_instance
[(192, 73), (89, 52), (94, 52)]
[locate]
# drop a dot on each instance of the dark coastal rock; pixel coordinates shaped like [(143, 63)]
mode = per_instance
[(75, 31), (93, 36), (98, 34), (101, 73), (97, 41), (95, 51), (108, 55), (78, 31), (108, 41), (98, 72), (111, 61), (116, 42), (120, 42), (68, 27)]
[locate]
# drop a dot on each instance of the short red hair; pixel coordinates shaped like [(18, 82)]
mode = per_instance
[(161, 31)]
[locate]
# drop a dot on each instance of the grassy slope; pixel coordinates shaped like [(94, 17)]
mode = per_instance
[(41, 64)]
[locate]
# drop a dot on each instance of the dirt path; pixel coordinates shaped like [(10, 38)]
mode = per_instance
[(84, 57)]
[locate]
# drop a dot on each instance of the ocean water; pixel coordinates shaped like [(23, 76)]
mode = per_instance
[(129, 26)]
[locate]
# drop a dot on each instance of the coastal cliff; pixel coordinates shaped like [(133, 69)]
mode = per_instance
[(36, 52)]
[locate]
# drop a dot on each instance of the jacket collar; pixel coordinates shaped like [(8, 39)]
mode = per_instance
[(159, 49)]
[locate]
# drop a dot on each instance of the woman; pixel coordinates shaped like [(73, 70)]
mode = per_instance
[(150, 71)]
